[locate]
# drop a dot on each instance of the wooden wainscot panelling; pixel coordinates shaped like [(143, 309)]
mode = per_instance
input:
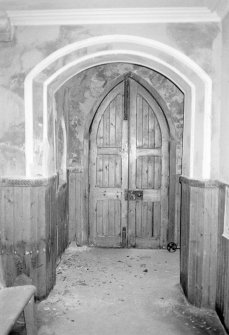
[(28, 230), (199, 228), (62, 218), (222, 292), (78, 227)]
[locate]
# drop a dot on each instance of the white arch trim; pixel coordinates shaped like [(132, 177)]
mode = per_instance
[(124, 48)]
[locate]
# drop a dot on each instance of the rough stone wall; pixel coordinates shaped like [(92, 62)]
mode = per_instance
[(77, 97)]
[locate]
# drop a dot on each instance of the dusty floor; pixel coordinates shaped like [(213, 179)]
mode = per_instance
[(120, 291)]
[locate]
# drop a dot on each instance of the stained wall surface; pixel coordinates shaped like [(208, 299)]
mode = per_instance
[(32, 44)]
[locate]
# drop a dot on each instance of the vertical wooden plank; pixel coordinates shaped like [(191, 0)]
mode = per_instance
[(106, 127), (157, 135), (145, 172), (99, 217), (99, 137), (41, 244), (117, 217), (144, 218), (139, 172), (210, 230), (54, 204), (105, 171), (157, 172), (138, 218), (221, 247), (145, 126), (156, 218), (111, 220), (149, 227), (118, 120), (111, 170), (78, 214), (151, 172), (9, 218), (131, 223), (177, 211), (72, 206), (48, 234), (99, 170), (105, 217), (151, 129), (195, 197), (34, 191), (139, 123), (118, 171), (113, 123), (185, 219), (19, 219)]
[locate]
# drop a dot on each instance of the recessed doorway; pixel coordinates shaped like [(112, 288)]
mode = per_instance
[(129, 169)]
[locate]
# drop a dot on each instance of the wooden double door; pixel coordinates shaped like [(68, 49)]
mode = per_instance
[(128, 170)]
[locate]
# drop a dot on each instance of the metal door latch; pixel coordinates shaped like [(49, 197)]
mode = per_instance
[(133, 195)]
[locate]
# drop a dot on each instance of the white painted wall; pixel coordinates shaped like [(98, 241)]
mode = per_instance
[(224, 126)]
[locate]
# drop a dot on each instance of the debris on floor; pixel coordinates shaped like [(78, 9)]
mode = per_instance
[(121, 291)]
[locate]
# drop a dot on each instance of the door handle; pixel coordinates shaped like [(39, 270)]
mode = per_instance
[(133, 195)]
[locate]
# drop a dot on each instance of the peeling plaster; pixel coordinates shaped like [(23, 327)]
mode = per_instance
[(33, 44)]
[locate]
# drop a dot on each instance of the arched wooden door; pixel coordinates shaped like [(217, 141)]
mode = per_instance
[(128, 170)]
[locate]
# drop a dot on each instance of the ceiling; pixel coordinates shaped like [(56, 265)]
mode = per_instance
[(221, 7), (66, 4)]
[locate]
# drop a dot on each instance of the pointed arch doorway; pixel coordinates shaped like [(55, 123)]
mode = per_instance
[(129, 166)]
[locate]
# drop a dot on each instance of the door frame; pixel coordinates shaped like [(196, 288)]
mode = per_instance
[(172, 153)]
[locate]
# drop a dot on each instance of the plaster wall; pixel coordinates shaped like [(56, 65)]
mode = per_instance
[(224, 133), (199, 41)]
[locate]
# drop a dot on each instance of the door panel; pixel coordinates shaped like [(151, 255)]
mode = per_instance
[(108, 154), (147, 170), (129, 153)]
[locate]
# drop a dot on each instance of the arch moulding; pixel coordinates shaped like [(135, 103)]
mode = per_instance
[(49, 75)]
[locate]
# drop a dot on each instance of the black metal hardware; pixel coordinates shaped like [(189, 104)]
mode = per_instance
[(124, 241), (172, 247), (133, 195), (126, 98)]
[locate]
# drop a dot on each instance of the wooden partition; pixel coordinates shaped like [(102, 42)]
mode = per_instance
[(78, 217), (29, 222), (199, 231), (62, 227), (222, 291)]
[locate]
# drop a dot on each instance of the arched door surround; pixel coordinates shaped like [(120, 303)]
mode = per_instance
[(45, 79)]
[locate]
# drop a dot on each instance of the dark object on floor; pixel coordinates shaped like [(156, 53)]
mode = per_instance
[(172, 247)]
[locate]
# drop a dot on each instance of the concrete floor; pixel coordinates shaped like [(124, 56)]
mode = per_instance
[(121, 291)]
